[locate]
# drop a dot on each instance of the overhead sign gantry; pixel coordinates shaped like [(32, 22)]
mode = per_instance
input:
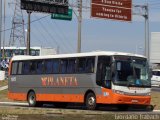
[(46, 6)]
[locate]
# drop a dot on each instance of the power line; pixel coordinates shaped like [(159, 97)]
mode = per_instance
[(27, 23), (44, 28)]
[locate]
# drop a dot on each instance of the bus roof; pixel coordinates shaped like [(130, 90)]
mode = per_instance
[(96, 53)]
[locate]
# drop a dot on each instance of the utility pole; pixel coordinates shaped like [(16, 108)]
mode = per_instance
[(147, 41), (0, 27), (79, 25), (28, 33), (4, 27), (144, 12)]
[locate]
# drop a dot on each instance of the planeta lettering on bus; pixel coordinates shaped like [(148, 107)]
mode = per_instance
[(59, 81)]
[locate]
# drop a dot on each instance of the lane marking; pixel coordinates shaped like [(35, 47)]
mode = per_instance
[(13, 103), (4, 88)]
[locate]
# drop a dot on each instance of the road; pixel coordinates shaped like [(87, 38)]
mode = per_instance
[(156, 89), (25, 105), (24, 112)]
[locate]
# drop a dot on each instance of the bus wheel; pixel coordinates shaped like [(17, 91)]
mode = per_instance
[(32, 99), (90, 101)]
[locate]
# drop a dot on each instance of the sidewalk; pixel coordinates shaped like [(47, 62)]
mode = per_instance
[(4, 87)]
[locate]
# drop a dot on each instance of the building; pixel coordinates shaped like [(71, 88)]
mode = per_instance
[(155, 48), (11, 51)]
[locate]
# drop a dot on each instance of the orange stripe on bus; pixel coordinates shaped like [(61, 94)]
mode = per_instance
[(49, 97), (60, 97), (17, 96), (113, 98)]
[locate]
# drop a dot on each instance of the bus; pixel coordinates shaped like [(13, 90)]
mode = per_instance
[(93, 78)]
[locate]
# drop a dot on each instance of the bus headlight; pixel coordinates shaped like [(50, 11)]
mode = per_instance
[(118, 92)]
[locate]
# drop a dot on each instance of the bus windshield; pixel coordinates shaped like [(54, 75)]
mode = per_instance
[(131, 71)]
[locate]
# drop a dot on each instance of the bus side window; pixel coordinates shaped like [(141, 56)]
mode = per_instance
[(20, 68), (56, 66), (90, 65), (33, 66), (40, 67), (71, 66), (14, 68), (81, 65), (26, 68), (64, 63), (48, 66)]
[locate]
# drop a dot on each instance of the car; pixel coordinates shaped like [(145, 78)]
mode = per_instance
[(155, 80)]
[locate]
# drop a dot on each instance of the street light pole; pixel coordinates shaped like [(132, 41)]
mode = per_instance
[(28, 33), (144, 11), (0, 27), (79, 25), (4, 26), (147, 40)]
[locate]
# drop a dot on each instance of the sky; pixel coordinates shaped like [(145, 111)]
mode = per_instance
[(97, 34)]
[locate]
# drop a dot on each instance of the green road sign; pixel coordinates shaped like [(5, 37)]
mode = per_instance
[(63, 16)]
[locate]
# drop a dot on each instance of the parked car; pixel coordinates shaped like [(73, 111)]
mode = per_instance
[(155, 80)]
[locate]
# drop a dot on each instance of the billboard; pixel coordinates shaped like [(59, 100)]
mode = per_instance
[(46, 6), (112, 9)]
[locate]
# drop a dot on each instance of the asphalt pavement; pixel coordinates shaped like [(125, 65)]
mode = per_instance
[(156, 89)]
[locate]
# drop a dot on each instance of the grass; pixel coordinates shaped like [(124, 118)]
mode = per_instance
[(41, 114), (155, 96), (68, 114), (3, 96), (3, 83)]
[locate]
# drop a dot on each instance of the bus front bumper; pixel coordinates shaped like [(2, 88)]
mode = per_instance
[(114, 98)]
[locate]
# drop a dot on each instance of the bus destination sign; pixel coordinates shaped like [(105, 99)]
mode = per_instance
[(112, 9)]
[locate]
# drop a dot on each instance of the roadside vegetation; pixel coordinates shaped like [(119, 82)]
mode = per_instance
[(3, 83), (155, 100)]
